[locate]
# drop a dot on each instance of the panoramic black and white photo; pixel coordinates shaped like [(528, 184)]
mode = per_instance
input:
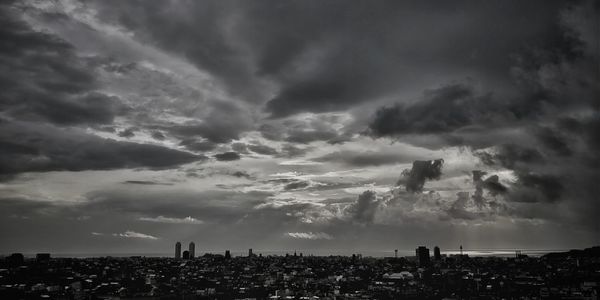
[(299, 149)]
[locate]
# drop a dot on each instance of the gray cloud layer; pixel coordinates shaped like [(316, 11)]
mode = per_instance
[(308, 111)]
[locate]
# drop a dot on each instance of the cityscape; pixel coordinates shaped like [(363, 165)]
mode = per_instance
[(563, 275), (299, 149)]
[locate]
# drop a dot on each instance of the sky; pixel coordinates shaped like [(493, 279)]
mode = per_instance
[(126, 126)]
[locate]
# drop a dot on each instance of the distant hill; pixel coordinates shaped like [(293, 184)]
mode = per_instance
[(587, 252)]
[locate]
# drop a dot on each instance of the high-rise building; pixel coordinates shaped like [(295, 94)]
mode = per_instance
[(178, 250), (423, 256), (186, 254), (437, 255), (250, 252), (227, 254), (396, 253), (192, 250)]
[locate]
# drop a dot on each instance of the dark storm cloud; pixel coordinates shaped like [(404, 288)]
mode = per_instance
[(227, 156), (128, 133), (241, 174), (42, 78), (538, 123), (491, 184), (421, 171), (205, 205), (554, 140), (145, 182), (221, 122), (157, 135), (33, 147), (362, 159), (200, 146), (532, 187), (340, 54), (511, 155), (302, 131), (440, 111)]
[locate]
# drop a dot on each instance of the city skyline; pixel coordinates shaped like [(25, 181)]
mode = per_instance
[(129, 126)]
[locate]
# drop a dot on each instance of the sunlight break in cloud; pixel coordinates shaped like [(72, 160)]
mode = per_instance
[(137, 235), (161, 219), (310, 235)]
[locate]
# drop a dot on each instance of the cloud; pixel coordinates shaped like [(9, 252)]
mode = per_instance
[(157, 135), (492, 184), (227, 156), (31, 147), (128, 133), (135, 235), (422, 170), (45, 80), (365, 207), (309, 235), (307, 128), (442, 110), (145, 182), (363, 159), (262, 149), (241, 174), (161, 219), (220, 122), (200, 146), (296, 185), (537, 124)]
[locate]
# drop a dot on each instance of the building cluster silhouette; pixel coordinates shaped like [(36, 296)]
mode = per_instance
[(187, 254), (191, 252)]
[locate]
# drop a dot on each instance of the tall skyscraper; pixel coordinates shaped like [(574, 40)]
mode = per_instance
[(423, 256), (178, 250), (192, 250), (227, 254), (436, 253), (250, 252)]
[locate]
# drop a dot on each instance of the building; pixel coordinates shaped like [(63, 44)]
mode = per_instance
[(192, 250), (423, 256), (15, 259), (250, 252), (227, 254), (178, 250), (437, 255), (186, 254), (42, 257)]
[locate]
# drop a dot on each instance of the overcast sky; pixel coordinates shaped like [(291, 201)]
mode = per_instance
[(126, 126)]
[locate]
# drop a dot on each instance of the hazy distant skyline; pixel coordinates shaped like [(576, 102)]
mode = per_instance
[(126, 126)]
